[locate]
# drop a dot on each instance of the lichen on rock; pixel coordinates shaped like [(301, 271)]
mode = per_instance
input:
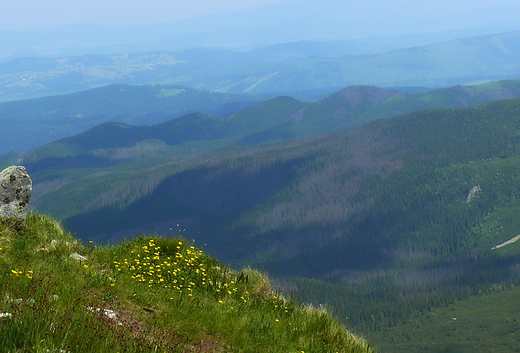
[(15, 192)]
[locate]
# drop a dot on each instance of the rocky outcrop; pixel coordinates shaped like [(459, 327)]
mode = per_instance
[(15, 192), (473, 192)]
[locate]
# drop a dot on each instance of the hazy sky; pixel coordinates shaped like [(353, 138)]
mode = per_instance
[(35, 14)]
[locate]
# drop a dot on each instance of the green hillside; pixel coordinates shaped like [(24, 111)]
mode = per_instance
[(346, 173), (33, 122), (399, 215), (378, 214), (276, 119), (151, 294)]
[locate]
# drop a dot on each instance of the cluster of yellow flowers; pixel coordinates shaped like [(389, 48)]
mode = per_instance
[(184, 270), (17, 273)]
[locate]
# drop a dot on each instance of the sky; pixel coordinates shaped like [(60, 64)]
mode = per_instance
[(36, 14), (18, 15)]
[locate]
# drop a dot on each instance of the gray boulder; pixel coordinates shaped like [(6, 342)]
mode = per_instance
[(15, 192)]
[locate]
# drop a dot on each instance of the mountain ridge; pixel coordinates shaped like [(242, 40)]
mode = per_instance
[(41, 120), (283, 118), (459, 61)]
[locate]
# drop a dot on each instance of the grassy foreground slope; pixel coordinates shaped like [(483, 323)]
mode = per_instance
[(150, 294)]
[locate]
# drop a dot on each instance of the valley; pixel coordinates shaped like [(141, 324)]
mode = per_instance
[(378, 185), (376, 213)]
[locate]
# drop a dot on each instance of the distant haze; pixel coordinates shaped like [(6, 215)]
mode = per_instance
[(37, 14), (235, 28), (64, 28)]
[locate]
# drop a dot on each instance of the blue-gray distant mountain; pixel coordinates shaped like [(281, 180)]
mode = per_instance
[(31, 123), (288, 69), (229, 118), (366, 32)]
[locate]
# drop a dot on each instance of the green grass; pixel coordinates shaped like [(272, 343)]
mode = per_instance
[(149, 294)]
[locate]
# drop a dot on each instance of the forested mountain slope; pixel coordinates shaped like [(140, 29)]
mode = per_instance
[(356, 105), (33, 122), (333, 178), (381, 212), (485, 322), (40, 120)]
